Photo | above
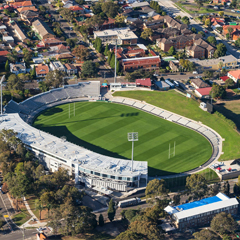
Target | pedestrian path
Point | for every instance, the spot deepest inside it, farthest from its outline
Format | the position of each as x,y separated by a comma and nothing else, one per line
33,218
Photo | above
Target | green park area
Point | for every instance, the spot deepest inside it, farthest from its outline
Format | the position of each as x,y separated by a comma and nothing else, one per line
102,127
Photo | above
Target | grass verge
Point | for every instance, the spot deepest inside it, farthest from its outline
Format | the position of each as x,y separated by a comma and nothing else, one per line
21,218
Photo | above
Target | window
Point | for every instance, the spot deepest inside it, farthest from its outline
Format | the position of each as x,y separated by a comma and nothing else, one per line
119,178
104,175
97,174
113,177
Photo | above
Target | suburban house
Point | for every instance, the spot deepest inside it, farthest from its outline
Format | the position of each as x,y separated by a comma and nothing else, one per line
58,49
203,92
195,51
57,65
64,56
21,4
77,9
223,2
49,42
146,63
234,75
235,33
3,56
29,16
8,39
31,8
108,24
199,83
19,32
70,69
17,68
200,213
227,62
42,29
41,70
124,36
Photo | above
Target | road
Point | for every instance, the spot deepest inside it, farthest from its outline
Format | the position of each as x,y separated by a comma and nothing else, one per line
171,9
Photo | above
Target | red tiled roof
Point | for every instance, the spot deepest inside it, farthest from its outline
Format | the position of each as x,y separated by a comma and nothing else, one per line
224,78
76,8
32,8
109,21
42,69
204,91
21,4
144,82
235,74
51,40
3,53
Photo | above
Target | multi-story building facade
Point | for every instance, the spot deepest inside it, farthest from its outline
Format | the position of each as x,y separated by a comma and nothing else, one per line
200,213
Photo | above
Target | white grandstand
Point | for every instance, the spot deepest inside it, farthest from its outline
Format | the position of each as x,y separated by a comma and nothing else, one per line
90,168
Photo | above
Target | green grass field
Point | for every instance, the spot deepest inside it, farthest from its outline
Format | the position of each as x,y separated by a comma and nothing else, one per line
103,127
175,102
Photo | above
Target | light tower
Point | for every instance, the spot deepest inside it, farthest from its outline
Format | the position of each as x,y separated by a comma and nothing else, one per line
132,137
115,72
1,81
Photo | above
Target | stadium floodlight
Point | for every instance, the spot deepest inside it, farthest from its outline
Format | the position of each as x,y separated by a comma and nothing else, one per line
1,81
115,70
132,137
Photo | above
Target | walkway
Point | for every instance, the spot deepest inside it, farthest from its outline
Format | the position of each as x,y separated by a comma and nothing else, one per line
211,135
33,217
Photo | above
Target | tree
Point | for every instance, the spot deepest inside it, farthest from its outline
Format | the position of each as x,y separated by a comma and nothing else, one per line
39,207
101,220
130,235
7,67
237,42
55,78
229,83
106,50
221,13
226,188
12,57
95,22
202,33
221,50
185,20
194,30
110,9
89,69
220,65
215,189
176,199
171,50
43,86
81,53
199,3
98,45
224,223
212,40
208,22
217,91
71,42
33,72
205,234
27,56
178,17
67,14
196,185
2,222
208,74
120,20
146,33
14,83
156,188
111,210
228,36
230,30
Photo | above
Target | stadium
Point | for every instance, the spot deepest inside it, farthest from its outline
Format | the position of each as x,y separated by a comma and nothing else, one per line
90,167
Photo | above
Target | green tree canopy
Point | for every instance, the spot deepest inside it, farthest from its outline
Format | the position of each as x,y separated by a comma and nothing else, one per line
89,69
223,223
111,210
212,40
155,188
217,91
171,51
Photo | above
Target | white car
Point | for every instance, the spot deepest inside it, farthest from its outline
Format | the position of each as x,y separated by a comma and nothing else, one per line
232,10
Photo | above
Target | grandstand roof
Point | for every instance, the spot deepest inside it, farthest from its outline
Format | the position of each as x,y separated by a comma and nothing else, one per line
70,153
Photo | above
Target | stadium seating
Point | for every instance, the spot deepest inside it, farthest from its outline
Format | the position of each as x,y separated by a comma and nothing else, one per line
59,93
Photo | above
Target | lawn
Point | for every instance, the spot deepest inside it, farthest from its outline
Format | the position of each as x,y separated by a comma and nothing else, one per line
21,218
102,127
179,104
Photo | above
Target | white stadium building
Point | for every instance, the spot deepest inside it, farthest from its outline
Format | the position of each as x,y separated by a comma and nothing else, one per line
89,168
